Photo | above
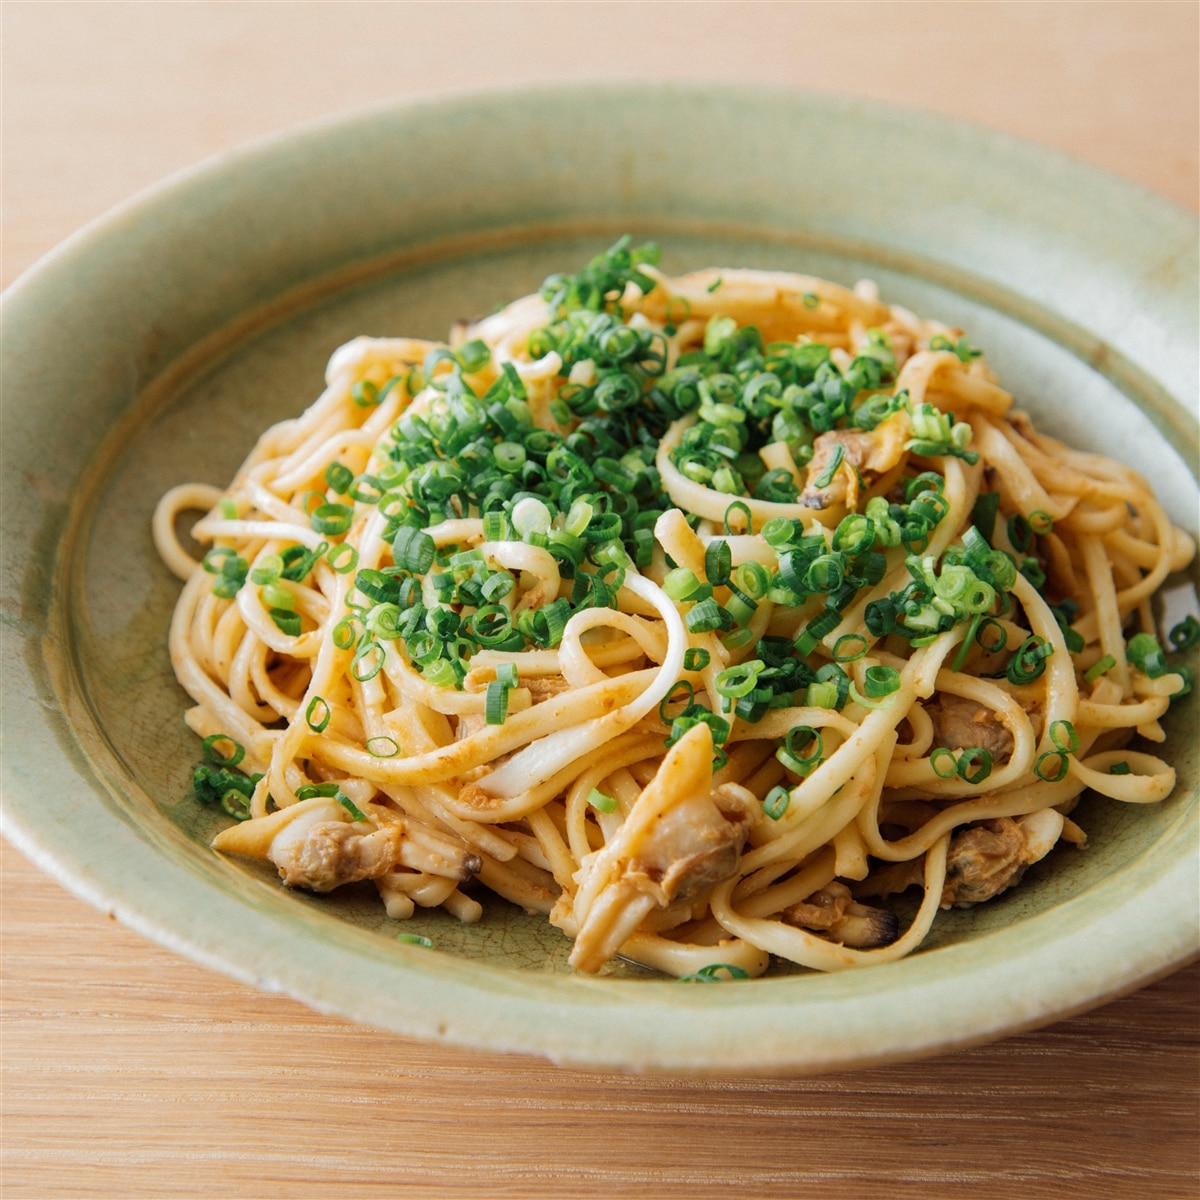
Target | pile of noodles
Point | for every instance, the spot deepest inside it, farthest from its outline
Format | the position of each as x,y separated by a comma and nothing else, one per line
448,634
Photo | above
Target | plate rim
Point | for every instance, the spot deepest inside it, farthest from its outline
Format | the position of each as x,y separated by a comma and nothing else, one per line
87,880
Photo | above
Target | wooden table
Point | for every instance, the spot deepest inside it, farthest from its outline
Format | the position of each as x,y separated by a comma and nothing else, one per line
131,1073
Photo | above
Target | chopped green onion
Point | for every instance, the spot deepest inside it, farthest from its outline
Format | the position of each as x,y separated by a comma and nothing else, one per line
345,633
961,657
849,648
509,456
213,754
440,673
330,791
715,973
855,534
333,519
718,562
286,621
1064,737
598,800
339,477
672,697
350,806
529,515
739,506
274,596
821,695
365,394
211,785
824,622
236,804
1100,667
367,661
495,527
943,772
739,680
706,616
342,558
1019,533
366,489
1186,634
695,658
474,355
967,757
681,585
791,754
1185,673
737,639
752,579
739,606
776,802
1060,771
1029,662
415,939
317,714
1145,654
267,570
382,746
1001,639
881,681
1119,768
983,514
413,549
496,703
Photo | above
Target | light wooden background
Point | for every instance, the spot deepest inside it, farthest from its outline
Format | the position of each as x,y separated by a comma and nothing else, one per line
131,1073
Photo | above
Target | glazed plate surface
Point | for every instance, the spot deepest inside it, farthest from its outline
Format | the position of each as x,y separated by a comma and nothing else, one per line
155,346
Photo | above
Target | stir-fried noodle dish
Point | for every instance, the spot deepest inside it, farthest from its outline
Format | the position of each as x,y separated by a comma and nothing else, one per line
703,615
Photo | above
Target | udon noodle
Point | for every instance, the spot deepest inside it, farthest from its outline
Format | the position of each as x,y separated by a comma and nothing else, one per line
702,615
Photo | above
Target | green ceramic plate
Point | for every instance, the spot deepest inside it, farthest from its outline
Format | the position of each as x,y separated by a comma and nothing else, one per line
154,346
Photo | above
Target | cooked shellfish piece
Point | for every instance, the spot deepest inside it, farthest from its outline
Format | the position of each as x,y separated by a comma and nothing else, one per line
992,856
864,453
317,845
681,837
834,911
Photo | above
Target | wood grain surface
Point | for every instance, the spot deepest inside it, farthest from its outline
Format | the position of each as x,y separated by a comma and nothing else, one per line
129,1072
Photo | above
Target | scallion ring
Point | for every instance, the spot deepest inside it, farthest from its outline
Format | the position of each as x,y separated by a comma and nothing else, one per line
367,661
880,681
317,714
849,648
718,562
1064,736
214,755
970,755
947,770
496,703
333,519
382,746
775,802
713,974
342,558
1060,772
673,697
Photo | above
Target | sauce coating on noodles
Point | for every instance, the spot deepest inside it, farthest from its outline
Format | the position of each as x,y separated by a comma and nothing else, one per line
701,614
